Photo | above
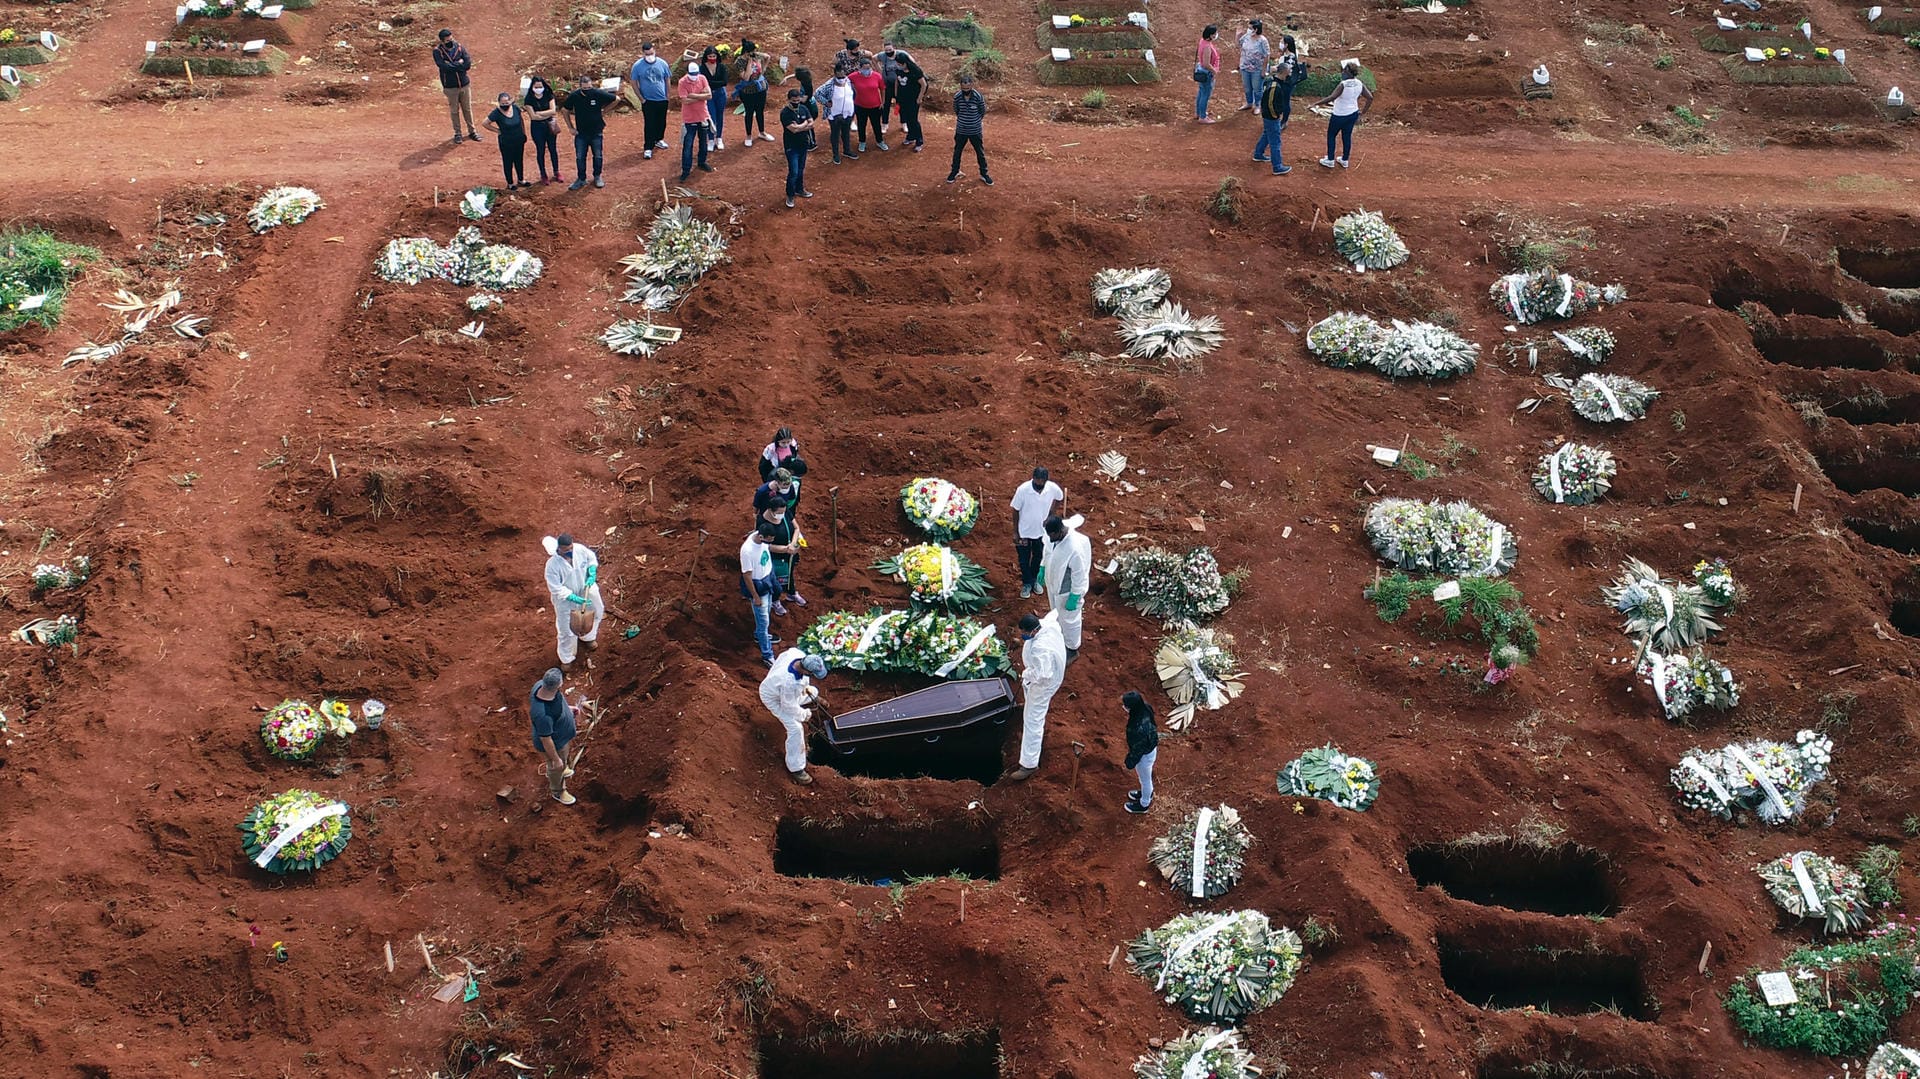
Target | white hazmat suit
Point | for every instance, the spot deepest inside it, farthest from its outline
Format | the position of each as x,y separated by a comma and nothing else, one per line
568,577
788,696
1065,568
1043,662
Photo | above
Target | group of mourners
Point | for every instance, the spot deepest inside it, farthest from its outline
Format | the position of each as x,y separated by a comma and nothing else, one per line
865,94
1267,81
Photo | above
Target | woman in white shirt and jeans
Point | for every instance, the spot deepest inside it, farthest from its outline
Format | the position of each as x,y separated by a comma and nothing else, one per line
1350,100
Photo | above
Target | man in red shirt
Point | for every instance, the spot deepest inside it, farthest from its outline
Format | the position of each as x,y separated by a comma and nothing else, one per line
693,92
869,102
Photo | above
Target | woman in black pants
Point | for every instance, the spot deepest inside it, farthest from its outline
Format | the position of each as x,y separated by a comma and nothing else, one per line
510,121
751,89
543,111
910,82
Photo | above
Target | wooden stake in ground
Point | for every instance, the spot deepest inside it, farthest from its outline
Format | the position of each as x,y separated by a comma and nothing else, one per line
1074,780
692,564
389,957
833,499
1316,221
421,939
188,65
1796,498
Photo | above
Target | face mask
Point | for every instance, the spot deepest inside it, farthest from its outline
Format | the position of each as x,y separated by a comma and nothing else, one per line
778,518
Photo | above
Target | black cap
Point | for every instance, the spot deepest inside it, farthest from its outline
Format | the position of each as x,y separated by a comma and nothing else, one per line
445,34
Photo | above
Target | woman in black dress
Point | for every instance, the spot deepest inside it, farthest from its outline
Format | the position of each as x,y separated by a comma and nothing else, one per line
715,71
543,112
510,121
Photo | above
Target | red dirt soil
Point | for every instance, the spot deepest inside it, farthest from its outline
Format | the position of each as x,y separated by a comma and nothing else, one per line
334,493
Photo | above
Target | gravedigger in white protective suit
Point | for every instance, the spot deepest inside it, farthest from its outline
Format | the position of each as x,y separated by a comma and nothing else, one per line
1065,569
1043,662
573,581
788,693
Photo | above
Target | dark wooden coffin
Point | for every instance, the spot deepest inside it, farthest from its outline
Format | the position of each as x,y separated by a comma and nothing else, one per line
923,717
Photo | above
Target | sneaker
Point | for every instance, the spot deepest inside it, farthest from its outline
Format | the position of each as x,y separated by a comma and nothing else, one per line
1133,795
1326,162
576,185
1283,170
882,145
775,640
705,168
648,154
798,599
789,202
684,175
863,146
918,148
1259,157
1343,162
806,195
1208,120
749,141
473,136
565,799
598,182
767,662
953,178
661,145
457,140
985,179
1072,654
1025,592
718,145
1019,774
780,609
1135,808
801,778
836,160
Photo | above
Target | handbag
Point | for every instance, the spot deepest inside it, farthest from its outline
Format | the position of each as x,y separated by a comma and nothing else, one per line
1201,74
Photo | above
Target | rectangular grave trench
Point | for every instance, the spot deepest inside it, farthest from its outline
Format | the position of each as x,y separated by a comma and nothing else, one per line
890,1054
1546,1069
1564,879
873,851
976,758
1557,981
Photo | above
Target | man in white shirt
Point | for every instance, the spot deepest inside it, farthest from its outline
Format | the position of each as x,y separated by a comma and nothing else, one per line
1064,569
788,693
1043,662
573,583
758,585
1032,505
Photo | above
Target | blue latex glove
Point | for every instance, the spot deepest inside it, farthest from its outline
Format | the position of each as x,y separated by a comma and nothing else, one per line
1073,602
593,572
581,600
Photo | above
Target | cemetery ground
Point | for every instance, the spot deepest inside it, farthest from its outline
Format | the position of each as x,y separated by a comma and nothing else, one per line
334,492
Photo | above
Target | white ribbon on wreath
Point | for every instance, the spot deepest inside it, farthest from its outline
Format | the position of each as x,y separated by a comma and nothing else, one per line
949,572
1566,296
1908,1053
295,829
1572,344
1553,470
1712,781
1498,539
1202,825
951,501
873,630
1196,1065
973,646
1198,937
1659,665
1760,776
1799,866
1513,297
1606,393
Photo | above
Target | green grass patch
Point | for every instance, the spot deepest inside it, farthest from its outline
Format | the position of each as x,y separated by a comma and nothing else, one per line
1714,39
1871,983
218,62
1493,606
1226,201
1879,867
934,31
272,31
1898,21
32,262
1093,38
24,54
10,92
1323,78
1787,72
1094,99
986,65
1097,71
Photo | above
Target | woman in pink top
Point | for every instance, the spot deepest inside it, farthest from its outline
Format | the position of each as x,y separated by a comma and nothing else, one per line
1205,66
694,94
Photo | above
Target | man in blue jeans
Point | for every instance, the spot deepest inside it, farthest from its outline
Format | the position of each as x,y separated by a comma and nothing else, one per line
758,585
1276,106
649,77
796,124
588,124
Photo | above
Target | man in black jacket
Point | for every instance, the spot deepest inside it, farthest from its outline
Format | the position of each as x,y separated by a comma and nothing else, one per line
1276,106
969,113
451,58
910,81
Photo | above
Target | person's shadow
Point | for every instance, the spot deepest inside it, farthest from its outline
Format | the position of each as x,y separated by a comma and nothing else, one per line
440,151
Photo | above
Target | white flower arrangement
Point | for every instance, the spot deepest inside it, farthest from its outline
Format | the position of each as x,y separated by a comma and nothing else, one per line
1200,1054
409,260
1177,589
1402,350
1347,781
283,206
1589,343
1669,616
1838,893
467,259
478,202
1130,292
1365,239
1225,852
1605,398
680,249
1433,537
1891,1060
1684,683
1170,332
1346,339
48,576
484,302
1548,294
1574,474
1218,967
1716,582
1768,778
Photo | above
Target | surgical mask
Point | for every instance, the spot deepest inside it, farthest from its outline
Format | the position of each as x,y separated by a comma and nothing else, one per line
778,518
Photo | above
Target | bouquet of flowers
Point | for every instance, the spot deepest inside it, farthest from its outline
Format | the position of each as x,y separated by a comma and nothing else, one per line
455,261
855,642
1605,398
1891,1060
1574,474
1348,782
1169,331
1177,589
1205,1054
409,260
1224,851
1129,292
47,577
938,577
1218,967
1433,537
1669,615
1683,683
484,302
1806,885
295,830
947,647
478,202
1344,339
1769,778
631,337
292,730
1716,583
1366,240
283,206
1424,350
50,632
1543,294
1590,343
501,266
942,510
1197,669
680,248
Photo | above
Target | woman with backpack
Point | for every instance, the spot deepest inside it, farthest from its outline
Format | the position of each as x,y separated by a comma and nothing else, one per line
1143,748
1206,65
753,91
